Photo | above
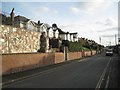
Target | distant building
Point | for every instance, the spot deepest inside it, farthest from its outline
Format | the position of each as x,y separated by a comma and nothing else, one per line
2,18
67,36
73,37
54,35
23,22
119,41
5,19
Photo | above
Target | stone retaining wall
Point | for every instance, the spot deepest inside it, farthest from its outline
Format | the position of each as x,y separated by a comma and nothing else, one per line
18,40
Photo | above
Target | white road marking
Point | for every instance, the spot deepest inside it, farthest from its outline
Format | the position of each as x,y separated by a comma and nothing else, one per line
102,76
108,78
106,86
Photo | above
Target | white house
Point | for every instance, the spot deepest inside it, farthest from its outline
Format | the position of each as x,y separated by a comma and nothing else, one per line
23,22
67,36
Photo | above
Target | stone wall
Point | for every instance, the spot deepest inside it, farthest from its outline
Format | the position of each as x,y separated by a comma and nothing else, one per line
17,40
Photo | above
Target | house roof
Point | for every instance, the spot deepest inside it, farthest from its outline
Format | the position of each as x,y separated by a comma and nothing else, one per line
2,15
21,18
24,19
34,23
61,32
73,33
47,25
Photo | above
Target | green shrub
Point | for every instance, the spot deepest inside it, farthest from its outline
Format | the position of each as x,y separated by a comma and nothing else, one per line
74,46
65,43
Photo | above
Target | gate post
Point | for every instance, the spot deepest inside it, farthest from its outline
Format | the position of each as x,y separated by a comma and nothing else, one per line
65,53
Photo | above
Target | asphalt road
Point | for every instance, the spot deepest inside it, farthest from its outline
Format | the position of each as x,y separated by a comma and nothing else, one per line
92,72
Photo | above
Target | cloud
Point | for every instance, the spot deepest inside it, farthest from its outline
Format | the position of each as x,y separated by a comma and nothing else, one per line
107,22
107,25
43,9
74,10
108,29
108,36
55,0
110,22
46,10
55,11
90,6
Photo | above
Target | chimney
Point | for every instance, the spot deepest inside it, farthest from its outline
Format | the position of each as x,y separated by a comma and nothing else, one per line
39,26
39,22
12,17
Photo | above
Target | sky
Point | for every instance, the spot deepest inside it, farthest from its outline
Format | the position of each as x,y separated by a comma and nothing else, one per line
92,19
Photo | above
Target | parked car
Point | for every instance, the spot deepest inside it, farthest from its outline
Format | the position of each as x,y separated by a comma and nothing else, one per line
109,52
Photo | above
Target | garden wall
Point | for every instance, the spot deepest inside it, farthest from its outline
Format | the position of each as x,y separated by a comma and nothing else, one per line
12,63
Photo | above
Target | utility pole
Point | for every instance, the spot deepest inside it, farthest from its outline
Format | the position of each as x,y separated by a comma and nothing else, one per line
110,43
100,40
100,43
115,40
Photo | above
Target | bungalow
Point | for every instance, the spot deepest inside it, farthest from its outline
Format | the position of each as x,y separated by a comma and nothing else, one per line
73,37
64,35
67,36
23,22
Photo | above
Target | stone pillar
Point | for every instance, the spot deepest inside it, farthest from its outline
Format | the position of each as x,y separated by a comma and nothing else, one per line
47,40
43,43
65,53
